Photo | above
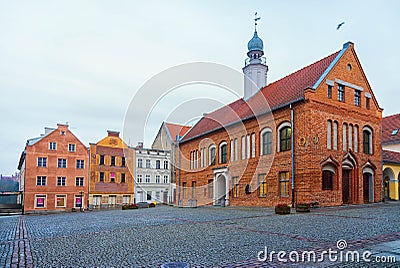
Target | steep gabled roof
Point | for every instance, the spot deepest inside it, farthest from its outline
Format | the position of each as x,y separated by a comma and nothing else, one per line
278,94
390,157
174,130
391,129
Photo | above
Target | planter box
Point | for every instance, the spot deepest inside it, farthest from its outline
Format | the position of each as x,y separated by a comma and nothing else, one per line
303,209
282,210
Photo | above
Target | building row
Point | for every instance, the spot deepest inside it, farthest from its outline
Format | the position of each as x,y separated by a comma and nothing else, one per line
314,136
58,172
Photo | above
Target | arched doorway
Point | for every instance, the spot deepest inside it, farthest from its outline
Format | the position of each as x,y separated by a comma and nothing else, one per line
368,185
349,166
388,175
220,190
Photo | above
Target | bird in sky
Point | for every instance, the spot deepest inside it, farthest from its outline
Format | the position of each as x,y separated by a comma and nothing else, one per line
339,25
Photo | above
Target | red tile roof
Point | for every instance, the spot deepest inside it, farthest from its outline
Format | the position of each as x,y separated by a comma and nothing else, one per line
277,95
390,157
175,130
389,125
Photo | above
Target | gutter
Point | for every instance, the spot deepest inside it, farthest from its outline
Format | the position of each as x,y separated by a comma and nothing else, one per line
292,145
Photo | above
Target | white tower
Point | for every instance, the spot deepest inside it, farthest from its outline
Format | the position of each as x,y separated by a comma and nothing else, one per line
255,68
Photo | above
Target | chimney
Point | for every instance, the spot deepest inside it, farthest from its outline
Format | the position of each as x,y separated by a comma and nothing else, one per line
140,145
113,133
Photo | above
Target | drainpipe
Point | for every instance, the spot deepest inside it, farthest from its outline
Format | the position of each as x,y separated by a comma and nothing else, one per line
179,171
292,149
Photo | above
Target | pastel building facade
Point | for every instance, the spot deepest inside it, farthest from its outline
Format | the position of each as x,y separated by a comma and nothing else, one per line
152,175
391,156
111,181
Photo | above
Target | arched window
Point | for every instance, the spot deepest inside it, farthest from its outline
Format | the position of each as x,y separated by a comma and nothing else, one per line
344,140
266,141
329,135
253,145
285,136
211,153
367,140
223,153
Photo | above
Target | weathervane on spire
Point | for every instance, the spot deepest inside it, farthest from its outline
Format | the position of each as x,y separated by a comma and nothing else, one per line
255,21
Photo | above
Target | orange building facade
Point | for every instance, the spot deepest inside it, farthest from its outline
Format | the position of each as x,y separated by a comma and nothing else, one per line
312,136
111,180
54,172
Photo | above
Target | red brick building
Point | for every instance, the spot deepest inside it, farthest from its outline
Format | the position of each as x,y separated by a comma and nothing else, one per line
312,136
54,172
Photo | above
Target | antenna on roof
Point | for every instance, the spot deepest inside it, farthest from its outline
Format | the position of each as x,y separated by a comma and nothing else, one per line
255,21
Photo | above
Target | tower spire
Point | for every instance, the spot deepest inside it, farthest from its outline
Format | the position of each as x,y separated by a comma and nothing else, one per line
255,69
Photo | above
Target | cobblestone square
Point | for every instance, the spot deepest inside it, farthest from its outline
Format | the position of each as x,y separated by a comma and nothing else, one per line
201,237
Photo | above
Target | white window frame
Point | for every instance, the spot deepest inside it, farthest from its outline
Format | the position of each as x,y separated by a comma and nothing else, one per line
40,196
72,147
329,135
52,146
264,131
253,145
212,146
243,147
62,180
220,152
79,179
368,129
282,125
60,196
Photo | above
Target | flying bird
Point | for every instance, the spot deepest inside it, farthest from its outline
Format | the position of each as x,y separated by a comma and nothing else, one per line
339,25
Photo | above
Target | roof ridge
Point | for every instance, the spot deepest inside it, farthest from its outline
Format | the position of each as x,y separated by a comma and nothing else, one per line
299,70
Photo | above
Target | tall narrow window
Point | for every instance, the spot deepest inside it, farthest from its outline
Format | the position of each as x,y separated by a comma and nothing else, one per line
123,161
101,177
341,93
122,177
357,98
112,160
253,145
367,140
356,138
243,147
101,160
285,135
210,187
367,101
112,176
329,135
147,178
284,184
232,150
184,190
158,178
329,92
158,164
165,164
148,165
236,149
262,185
193,189
335,135
140,163
344,139
350,137
223,153
248,146
235,187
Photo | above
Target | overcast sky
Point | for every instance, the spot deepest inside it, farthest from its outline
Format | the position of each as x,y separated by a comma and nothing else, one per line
81,62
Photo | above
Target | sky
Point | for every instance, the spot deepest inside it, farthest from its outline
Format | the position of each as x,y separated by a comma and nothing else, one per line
82,62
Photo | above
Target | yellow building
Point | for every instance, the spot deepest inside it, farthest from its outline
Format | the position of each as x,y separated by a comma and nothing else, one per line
111,181
391,156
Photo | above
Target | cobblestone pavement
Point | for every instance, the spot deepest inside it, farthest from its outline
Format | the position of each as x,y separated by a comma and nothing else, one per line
202,237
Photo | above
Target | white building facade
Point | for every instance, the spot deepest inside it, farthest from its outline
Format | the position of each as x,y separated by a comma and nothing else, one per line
152,175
